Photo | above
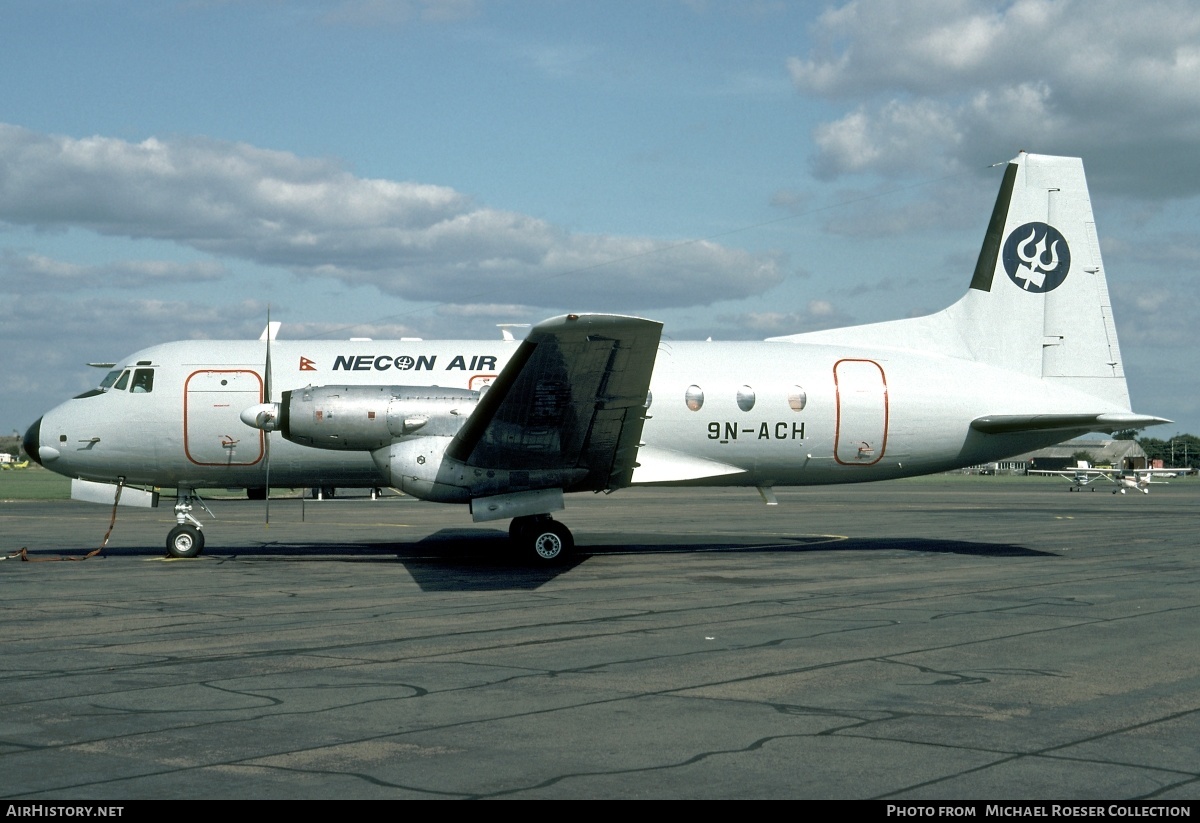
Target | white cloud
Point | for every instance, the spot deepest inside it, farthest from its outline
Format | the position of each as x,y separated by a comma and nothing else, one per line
311,216
515,312
1156,317
971,82
886,140
27,273
123,325
793,200
818,314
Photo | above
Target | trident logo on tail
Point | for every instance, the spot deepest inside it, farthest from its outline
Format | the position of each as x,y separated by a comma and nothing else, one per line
1036,257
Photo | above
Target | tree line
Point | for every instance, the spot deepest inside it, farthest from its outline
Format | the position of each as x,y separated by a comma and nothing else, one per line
1179,451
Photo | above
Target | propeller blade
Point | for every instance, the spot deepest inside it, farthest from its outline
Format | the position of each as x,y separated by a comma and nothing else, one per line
268,334
274,417
267,497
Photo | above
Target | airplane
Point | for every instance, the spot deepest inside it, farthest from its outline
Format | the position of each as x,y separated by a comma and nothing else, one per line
1084,473
1028,357
14,464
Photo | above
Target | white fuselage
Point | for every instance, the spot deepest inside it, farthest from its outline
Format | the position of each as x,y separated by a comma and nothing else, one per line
766,413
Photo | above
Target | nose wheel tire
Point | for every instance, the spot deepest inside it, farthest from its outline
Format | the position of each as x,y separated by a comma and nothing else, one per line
185,541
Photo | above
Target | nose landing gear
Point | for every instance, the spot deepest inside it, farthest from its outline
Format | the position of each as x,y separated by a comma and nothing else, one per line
186,539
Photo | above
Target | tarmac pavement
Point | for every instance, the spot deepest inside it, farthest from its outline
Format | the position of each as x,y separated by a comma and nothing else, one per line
953,638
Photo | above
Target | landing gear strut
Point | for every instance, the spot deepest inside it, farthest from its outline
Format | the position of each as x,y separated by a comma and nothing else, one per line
549,540
186,539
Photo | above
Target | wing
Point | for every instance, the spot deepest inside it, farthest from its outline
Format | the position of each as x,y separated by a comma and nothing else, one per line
1081,476
573,397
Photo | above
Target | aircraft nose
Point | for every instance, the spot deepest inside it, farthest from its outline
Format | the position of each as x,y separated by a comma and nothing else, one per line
32,442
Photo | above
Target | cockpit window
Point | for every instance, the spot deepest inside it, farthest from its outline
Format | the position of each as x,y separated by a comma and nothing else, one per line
143,381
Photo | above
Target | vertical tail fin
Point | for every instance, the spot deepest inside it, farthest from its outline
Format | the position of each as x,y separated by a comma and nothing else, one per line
1038,302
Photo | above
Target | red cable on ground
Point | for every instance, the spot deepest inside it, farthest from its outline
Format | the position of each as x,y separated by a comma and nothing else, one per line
24,554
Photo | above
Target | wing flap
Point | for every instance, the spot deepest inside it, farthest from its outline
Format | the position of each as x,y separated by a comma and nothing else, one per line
572,397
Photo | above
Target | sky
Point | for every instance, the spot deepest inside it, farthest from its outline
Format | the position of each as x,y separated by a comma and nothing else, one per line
432,168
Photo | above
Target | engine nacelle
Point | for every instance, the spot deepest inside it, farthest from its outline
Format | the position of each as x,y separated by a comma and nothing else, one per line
408,429
418,466
366,418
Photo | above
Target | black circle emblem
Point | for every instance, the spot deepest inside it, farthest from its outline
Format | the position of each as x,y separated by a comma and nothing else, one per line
404,362
1036,257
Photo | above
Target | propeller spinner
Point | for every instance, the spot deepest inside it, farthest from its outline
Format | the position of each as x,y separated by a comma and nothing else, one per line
264,416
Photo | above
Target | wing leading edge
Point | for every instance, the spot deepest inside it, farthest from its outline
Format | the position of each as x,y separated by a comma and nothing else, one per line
573,398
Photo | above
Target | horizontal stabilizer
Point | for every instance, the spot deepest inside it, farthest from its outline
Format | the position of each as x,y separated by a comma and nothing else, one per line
1113,422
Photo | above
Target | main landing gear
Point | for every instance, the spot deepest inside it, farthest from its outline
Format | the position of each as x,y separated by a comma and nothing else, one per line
186,539
541,538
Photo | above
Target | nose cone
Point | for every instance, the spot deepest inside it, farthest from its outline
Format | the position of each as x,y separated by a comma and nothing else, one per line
32,442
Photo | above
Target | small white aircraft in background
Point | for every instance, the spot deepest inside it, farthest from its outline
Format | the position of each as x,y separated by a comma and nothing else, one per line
1084,473
1027,358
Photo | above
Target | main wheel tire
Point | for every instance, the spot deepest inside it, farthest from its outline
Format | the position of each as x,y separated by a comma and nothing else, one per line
551,541
520,526
185,541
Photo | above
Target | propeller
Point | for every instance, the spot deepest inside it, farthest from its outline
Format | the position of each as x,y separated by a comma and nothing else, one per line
265,416
267,434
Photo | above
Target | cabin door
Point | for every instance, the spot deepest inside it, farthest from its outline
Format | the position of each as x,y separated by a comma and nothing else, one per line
213,434
862,412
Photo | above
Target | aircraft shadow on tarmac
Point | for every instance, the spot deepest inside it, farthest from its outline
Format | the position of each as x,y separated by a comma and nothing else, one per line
482,560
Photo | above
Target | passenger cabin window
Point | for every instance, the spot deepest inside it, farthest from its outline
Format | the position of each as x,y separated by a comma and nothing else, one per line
745,398
694,398
797,398
122,382
143,381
